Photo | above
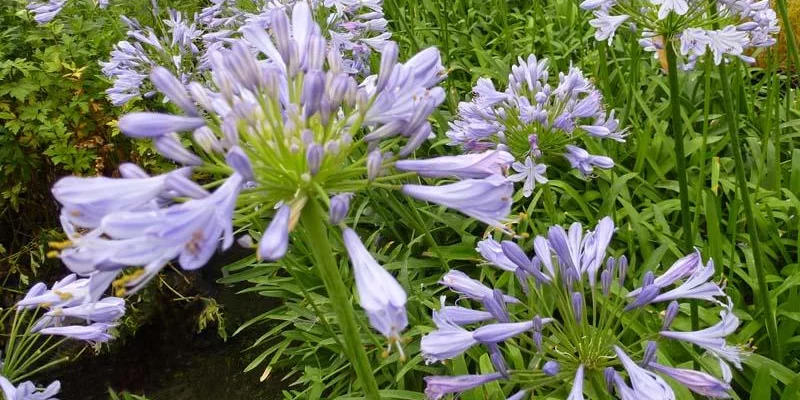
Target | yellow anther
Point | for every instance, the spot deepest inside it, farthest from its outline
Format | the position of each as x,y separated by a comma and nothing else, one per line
53,254
60,245
63,295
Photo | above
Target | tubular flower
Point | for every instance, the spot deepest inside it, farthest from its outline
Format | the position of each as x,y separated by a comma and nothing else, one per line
28,391
746,25
177,46
587,334
281,123
72,311
355,28
379,294
536,123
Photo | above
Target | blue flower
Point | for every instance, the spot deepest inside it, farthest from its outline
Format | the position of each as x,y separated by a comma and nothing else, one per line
487,200
379,294
534,121
437,387
28,391
581,337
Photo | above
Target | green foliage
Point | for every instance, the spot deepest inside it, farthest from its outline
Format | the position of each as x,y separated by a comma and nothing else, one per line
55,120
54,116
112,395
414,242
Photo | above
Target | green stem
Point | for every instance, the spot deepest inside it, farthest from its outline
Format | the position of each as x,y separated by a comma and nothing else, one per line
680,158
49,365
744,193
786,27
312,219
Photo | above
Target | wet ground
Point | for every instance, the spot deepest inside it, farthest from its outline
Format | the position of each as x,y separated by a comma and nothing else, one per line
166,359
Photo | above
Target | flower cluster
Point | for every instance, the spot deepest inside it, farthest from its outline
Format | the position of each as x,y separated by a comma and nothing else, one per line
580,321
745,25
354,27
536,122
72,311
44,12
28,391
179,49
277,131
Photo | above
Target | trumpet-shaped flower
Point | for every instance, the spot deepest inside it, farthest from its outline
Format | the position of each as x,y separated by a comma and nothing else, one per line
533,121
712,339
580,337
576,393
696,381
28,391
94,333
646,385
746,25
379,294
437,387
483,165
487,200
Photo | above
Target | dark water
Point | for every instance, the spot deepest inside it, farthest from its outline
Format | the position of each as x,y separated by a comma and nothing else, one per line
166,359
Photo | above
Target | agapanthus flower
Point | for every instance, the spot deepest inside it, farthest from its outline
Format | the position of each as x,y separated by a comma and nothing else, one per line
379,293
357,28
734,30
535,122
598,327
177,46
72,311
44,12
282,124
28,391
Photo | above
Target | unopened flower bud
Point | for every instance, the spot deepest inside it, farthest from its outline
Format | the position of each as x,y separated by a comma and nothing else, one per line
648,279
170,147
314,155
537,340
577,306
340,205
649,353
551,368
622,269
275,240
605,281
374,160
670,314
496,306
609,373
497,359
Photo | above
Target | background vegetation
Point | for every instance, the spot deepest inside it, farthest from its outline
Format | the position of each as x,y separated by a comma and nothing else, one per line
56,121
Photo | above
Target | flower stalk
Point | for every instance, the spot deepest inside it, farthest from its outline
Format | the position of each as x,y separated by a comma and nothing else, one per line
755,242
312,219
788,32
676,125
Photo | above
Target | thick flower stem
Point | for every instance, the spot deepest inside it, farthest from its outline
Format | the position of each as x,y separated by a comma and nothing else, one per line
313,220
787,29
676,123
744,196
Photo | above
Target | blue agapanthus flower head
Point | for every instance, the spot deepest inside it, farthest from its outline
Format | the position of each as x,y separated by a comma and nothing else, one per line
735,28
580,320
183,43
535,122
281,123
71,309
177,46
